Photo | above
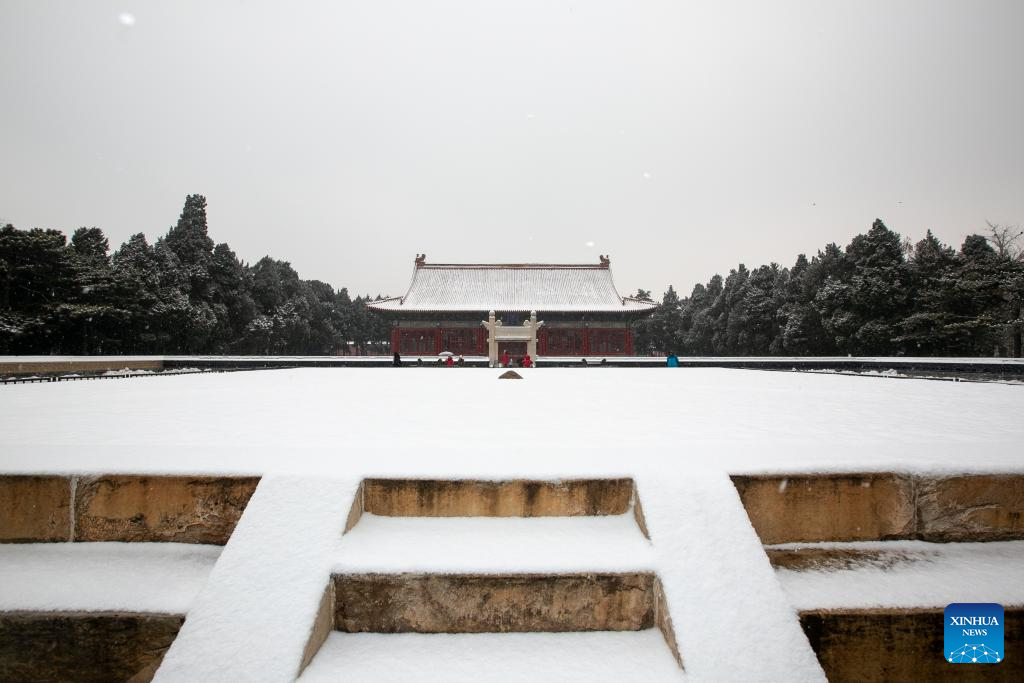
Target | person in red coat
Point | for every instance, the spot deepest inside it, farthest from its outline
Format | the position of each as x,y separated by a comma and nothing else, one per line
527,361
450,362
505,360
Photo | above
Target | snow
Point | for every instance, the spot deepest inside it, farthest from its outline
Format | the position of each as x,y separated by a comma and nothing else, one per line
543,288
599,657
555,422
717,592
133,577
909,574
719,586
256,612
315,433
612,543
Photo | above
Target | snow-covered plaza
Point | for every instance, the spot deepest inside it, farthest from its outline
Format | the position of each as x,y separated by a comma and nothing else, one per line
555,422
314,436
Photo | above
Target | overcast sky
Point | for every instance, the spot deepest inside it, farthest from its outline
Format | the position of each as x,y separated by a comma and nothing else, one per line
680,137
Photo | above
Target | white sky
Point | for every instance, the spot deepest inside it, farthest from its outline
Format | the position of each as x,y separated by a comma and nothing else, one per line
680,137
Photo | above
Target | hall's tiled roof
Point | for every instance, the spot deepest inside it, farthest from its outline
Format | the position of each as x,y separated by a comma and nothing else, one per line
512,287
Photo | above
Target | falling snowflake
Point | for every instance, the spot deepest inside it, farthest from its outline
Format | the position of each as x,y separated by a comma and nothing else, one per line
126,19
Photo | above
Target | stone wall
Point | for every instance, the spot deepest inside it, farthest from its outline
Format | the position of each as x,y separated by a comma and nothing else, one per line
883,506
198,509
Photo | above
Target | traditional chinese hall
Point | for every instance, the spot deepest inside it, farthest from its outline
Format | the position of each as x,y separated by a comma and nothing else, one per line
571,310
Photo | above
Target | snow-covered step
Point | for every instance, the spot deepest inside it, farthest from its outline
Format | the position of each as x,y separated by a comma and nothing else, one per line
596,657
389,545
515,556
898,574
854,598
106,577
94,611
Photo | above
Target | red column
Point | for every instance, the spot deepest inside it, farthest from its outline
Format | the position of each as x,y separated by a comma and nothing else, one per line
481,342
396,340
542,342
629,342
437,341
586,341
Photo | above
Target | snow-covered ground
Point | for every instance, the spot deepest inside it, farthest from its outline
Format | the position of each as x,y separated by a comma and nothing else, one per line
465,422
314,434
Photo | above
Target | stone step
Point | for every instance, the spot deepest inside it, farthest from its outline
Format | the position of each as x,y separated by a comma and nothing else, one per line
874,610
399,526
94,611
511,498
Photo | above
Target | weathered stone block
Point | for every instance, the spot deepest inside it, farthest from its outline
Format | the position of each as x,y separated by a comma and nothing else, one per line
156,508
475,603
893,645
517,498
850,507
34,508
83,647
971,508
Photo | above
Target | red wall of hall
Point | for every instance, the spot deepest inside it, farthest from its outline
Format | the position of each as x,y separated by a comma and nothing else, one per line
582,341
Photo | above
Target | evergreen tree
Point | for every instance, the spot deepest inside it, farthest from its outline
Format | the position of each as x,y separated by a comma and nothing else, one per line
881,295
658,332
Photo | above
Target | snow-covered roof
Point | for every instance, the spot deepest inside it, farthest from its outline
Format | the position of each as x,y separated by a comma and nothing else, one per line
583,288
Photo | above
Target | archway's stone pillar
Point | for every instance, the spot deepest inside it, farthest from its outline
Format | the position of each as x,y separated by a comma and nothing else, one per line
531,342
492,338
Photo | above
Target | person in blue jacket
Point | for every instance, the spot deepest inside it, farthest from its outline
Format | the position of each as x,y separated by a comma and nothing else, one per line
672,361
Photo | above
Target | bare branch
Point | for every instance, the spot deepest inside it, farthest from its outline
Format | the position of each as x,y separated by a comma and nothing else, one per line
1006,240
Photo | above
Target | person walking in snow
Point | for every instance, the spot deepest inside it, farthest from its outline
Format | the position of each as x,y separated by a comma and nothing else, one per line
505,360
461,362
450,362
527,361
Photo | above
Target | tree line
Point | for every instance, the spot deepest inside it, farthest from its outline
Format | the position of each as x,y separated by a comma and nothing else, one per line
880,296
181,295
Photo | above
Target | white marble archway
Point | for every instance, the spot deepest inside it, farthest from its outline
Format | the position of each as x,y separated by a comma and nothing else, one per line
496,332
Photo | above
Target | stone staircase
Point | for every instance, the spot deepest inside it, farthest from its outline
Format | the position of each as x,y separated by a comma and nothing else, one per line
701,577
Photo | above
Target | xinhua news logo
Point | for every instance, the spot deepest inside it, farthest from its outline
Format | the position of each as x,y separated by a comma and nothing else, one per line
973,633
